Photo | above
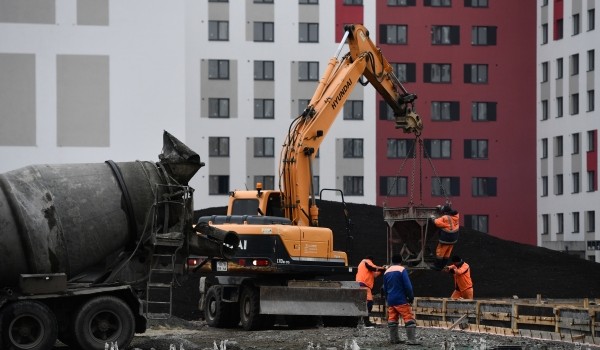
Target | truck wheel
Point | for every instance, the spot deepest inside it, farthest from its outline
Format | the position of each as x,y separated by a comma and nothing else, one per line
104,320
28,325
250,309
217,312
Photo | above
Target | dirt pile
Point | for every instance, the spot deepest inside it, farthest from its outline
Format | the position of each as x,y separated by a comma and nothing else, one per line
500,269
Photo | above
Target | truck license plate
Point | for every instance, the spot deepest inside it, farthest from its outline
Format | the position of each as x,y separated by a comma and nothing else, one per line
221,266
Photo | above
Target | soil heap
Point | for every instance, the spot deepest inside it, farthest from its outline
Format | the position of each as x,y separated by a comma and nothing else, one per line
499,268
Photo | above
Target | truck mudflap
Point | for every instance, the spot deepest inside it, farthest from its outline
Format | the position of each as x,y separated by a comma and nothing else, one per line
315,298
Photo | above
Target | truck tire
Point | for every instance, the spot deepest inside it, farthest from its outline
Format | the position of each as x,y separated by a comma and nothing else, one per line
250,309
28,325
104,320
218,313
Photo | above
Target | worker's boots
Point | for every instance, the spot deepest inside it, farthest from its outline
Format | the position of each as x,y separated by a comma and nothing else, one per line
394,336
411,334
367,321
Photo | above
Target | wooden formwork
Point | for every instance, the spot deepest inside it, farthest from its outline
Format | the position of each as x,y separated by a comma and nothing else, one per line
565,320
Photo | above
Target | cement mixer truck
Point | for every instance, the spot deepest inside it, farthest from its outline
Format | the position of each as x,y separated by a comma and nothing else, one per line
89,252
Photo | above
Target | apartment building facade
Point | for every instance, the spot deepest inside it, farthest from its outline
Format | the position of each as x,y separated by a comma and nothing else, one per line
228,77
567,124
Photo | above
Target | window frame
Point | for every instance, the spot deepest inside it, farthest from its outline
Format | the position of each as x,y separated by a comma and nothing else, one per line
311,66
264,70
263,32
264,108
476,73
353,185
400,32
393,186
264,147
308,30
353,148
218,146
484,186
221,114
217,25
353,110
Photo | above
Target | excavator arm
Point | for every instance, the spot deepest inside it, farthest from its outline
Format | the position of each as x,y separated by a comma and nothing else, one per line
308,130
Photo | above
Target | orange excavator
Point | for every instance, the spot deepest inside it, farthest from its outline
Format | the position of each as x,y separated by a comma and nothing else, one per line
284,257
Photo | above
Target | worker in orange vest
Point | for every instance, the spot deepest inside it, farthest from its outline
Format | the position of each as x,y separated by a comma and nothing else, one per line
463,285
365,276
447,225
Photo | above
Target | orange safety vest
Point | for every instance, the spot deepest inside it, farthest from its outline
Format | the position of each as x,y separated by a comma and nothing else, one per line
366,276
448,225
462,277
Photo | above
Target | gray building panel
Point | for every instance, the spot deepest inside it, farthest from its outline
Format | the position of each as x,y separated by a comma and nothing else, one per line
218,11
92,12
308,13
83,100
257,166
219,166
17,100
28,11
219,88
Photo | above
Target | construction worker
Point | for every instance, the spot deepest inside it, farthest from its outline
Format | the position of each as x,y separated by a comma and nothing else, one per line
399,296
463,285
447,225
365,276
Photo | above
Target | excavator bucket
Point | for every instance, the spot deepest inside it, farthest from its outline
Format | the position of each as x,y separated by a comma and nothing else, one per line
318,298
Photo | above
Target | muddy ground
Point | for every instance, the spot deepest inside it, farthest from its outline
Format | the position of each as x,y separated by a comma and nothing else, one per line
178,334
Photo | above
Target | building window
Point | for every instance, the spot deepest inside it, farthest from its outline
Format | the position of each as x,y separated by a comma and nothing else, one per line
483,36
559,107
353,2
309,33
263,1
353,110
218,69
438,3
558,186
393,186
218,146
400,148
483,111
576,183
575,142
590,104
445,110
267,181
476,73
394,34
476,3
575,218
591,138
574,64
476,149
483,187
218,0
405,72
545,33
445,186
218,30
559,68
445,35
544,3
264,108
218,108
438,149
590,225
591,57
308,2
544,148
544,186
591,180
574,104
544,72
477,222
576,24
545,110
437,72
264,31
308,71
545,224
591,19
264,70
558,146
558,29
218,184
353,185
401,2
264,147
353,148
385,111
560,223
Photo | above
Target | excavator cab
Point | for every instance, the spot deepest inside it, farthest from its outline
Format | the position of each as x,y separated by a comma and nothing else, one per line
261,203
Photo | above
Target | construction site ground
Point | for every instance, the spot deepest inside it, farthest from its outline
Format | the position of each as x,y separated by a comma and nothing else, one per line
500,270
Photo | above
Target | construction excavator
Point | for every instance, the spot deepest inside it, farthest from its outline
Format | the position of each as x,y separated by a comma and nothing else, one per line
284,258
